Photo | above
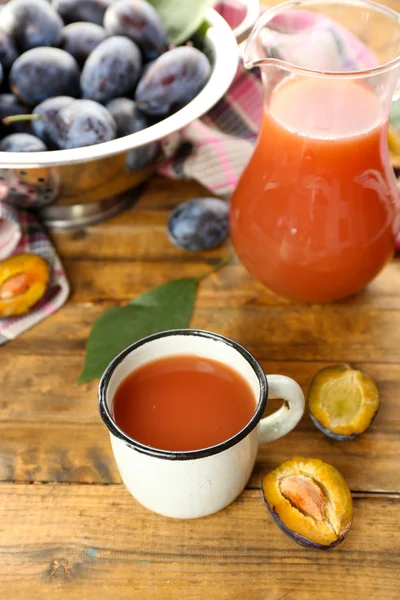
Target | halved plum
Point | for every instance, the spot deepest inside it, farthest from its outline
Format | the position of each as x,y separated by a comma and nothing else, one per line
23,282
343,401
310,501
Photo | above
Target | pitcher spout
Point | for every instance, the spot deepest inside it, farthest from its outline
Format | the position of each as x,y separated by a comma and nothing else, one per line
324,37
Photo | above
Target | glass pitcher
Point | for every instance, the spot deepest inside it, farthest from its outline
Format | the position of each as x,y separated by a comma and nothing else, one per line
315,215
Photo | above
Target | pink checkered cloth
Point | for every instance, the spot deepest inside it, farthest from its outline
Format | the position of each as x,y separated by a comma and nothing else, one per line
21,232
213,150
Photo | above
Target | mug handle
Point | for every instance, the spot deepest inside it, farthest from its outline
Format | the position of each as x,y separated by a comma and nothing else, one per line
287,416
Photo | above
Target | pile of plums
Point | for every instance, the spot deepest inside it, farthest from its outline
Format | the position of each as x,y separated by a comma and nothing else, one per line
89,71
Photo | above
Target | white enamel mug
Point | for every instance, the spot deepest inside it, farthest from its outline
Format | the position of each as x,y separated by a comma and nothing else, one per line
196,483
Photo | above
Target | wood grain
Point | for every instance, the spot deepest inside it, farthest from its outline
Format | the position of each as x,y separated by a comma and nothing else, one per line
76,533
37,429
323,333
96,542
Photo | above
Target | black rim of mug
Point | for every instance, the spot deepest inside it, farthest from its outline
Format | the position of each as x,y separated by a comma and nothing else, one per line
190,454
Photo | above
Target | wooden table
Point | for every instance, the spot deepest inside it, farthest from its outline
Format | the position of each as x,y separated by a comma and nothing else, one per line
68,527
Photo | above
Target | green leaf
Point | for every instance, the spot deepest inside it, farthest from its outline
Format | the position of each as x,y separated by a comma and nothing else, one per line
181,18
169,306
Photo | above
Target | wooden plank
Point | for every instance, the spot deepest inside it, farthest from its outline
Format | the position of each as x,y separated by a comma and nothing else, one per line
82,454
97,542
51,431
150,264
321,333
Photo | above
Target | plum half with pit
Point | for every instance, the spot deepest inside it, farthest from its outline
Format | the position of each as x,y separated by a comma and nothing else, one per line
24,279
343,401
41,73
310,502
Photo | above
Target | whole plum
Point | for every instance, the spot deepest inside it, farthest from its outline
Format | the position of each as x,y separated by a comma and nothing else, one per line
130,120
199,224
83,123
43,128
80,39
21,142
82,10
8,50
41,73
139,21
139,158
172,81
111,70
31,23
126,116
10,106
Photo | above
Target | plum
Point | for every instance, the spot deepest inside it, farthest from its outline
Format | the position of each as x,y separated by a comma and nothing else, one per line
140,22
310,502
82,10
41,73
24,280
8,50
343,401
127,116
80,39
43,128
31,23
199,224
22,142
83,123
111,70
172,81
10,106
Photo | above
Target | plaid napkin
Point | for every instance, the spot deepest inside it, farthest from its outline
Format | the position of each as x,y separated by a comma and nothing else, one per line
21,232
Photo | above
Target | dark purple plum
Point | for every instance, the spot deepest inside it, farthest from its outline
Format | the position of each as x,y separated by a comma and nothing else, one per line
130,120
199,224
48,109
126,116
139,158
31,23
83,123
22,142
80,39
139,21
10,106
41,73
111,70
172,81
82,10
8,50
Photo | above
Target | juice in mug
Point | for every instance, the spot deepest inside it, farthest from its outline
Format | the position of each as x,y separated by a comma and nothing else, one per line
314,216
